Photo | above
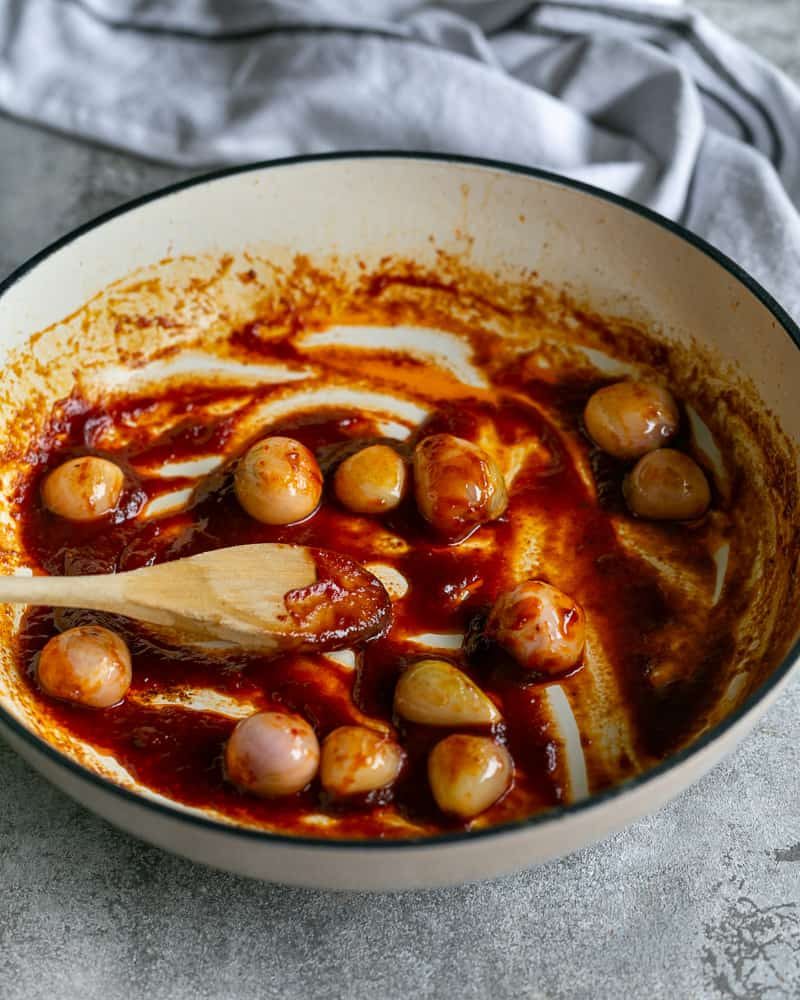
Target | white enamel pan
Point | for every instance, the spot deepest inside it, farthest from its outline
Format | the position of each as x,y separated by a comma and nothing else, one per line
621,258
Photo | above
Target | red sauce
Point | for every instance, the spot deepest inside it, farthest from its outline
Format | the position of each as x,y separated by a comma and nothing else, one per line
178,751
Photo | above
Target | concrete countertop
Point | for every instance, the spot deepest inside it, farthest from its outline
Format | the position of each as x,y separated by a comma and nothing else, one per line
702,900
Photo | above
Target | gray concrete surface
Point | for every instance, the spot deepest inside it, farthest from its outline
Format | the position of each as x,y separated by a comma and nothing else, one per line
700,901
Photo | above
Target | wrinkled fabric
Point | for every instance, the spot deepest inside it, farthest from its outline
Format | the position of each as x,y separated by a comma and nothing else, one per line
650,101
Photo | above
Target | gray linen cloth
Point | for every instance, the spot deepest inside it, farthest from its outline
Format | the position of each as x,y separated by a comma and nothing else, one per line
647,100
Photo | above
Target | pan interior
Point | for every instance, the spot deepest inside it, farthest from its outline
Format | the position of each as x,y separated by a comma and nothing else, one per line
264,340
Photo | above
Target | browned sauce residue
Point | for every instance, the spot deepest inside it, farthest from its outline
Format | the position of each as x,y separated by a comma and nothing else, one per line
664,653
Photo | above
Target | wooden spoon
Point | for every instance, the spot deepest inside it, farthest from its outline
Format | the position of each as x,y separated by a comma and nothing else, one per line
268,597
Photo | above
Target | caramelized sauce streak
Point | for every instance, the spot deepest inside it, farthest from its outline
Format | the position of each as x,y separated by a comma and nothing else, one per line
177,751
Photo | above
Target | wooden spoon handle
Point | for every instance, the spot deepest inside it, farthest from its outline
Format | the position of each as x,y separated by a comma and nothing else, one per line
131,594
100,593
